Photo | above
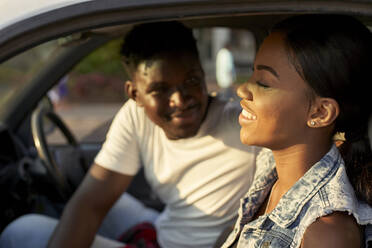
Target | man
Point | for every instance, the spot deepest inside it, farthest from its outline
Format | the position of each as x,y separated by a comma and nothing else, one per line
187,142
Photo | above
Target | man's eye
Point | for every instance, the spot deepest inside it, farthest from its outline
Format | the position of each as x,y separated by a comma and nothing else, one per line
159,90
262,84
193,81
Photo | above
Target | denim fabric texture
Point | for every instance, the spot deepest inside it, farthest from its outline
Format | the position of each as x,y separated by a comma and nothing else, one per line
323,189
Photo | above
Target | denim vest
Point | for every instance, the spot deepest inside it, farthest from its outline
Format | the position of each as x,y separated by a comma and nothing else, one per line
323,189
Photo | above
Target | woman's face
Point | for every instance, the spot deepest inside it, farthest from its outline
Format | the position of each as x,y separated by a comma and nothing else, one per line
275,99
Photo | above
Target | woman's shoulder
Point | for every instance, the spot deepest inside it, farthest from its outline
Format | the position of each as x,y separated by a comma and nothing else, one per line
337,229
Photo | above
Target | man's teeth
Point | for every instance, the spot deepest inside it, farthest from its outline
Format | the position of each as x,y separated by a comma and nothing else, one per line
248,115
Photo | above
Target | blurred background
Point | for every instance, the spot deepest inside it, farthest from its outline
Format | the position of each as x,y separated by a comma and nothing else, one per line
90,95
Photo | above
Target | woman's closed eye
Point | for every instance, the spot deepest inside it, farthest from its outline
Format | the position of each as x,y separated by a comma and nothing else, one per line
261,84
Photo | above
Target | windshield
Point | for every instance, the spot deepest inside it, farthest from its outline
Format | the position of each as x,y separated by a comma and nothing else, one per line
18,71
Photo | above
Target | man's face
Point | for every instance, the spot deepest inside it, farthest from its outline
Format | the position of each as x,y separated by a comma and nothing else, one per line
172,91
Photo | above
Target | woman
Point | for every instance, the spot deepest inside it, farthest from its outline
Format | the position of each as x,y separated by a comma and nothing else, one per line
311,80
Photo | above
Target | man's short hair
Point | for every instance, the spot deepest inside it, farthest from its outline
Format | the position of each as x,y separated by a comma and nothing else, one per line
146,41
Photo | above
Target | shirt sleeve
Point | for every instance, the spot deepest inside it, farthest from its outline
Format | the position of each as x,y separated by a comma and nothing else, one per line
120,151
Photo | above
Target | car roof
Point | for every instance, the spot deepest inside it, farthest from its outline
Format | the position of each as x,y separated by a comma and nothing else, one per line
10,11
45,20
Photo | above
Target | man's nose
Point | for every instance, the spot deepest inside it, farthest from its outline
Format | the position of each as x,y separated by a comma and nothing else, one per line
244,91
178,98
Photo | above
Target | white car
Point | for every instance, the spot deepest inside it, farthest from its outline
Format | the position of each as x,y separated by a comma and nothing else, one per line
46,45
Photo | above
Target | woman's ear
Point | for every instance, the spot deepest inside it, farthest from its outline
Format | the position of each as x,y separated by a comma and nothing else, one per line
132,92
323,112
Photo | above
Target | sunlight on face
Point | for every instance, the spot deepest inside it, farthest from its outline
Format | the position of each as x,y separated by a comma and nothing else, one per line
173,93
275,99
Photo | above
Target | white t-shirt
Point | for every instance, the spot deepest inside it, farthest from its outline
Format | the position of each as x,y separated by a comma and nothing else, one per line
200,179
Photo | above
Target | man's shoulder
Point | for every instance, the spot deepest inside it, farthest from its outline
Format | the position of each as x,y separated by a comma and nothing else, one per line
132,118
132,110
130,104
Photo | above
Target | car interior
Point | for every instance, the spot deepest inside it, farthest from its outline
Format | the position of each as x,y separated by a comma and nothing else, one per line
42,172
39,173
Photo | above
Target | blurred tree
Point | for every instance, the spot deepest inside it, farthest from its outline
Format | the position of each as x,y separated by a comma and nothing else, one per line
105,60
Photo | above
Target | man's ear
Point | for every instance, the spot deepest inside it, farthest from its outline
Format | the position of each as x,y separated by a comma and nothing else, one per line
323,112
132,92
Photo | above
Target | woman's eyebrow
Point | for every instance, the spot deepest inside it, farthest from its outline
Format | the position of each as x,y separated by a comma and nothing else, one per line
268,68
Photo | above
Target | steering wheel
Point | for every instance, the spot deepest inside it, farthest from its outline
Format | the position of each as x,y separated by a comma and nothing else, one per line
59,178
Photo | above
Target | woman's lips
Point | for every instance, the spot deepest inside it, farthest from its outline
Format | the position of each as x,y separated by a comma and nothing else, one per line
246,117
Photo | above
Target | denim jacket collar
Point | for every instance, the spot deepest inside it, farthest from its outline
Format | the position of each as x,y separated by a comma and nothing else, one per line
317,176
265,177
323,189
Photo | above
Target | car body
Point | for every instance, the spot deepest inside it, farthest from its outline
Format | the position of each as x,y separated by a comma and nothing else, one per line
84,26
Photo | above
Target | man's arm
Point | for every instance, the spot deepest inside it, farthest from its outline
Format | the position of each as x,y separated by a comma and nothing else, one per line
88,206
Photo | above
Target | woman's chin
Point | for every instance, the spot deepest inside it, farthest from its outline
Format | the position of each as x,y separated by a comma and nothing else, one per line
246,139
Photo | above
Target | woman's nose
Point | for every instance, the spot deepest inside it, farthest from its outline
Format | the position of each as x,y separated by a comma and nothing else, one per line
244,92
